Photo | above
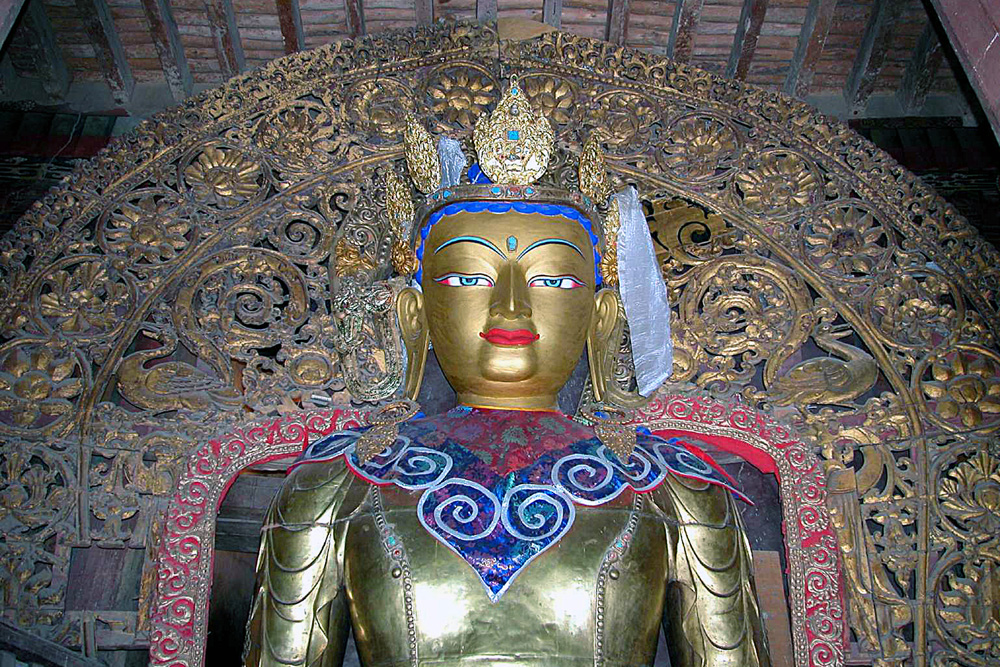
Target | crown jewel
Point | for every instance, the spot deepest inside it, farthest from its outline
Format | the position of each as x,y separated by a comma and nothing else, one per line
515,141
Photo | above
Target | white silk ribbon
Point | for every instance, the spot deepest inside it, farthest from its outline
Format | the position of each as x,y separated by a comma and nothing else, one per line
644,296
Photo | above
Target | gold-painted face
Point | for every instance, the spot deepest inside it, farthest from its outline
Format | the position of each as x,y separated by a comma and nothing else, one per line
509,304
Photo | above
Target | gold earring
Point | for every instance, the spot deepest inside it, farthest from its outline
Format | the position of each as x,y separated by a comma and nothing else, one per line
384,429
613,428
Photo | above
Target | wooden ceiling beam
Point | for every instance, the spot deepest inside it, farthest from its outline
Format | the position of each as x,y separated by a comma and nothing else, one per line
745,41
687,15
921,70
355,18
812,39
9,11
100,27
290,21
424,10
46,54
167,40
486,10
973,30
871,56
228,46
552,12
616,29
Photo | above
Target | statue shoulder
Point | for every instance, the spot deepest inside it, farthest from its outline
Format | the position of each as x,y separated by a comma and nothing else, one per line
317,490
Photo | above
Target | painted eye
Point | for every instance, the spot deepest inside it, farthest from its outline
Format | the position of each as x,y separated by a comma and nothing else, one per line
464,280
560,282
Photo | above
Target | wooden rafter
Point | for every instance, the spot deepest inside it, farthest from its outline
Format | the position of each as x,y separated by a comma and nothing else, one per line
920,72
290,20
616,30
552,12
100,27
47,55
486,10
871,56
27,647
167,40
424,10
745,41
228,47
812,39
686,18
355,17
9,11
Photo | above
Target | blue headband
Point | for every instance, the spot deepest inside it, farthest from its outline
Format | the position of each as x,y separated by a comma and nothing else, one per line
567,212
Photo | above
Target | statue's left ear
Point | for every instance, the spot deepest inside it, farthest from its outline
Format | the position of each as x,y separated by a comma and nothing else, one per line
416,335
601,339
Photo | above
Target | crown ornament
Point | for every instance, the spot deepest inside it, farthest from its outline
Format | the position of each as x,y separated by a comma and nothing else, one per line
514,142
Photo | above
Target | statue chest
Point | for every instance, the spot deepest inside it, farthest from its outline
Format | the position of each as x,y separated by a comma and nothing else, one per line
598,590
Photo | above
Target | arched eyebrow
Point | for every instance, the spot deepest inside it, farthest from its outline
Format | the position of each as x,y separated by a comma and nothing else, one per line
537,244
469,239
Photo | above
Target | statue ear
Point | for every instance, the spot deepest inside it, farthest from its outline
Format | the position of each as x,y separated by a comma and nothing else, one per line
413,325
602,342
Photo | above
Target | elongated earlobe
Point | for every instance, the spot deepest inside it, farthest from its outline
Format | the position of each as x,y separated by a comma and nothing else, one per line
413,326
601,339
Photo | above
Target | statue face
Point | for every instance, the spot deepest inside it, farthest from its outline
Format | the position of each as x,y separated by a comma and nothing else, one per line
509,303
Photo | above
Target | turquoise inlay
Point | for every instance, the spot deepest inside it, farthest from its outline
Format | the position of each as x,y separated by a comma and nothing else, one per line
550,242
513,91
511,243
513,135
470,239
495,191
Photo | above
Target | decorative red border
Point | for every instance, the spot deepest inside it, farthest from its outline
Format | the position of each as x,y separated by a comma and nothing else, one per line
179,617
179,613
819,625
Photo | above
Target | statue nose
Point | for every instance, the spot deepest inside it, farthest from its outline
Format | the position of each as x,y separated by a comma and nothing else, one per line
510,294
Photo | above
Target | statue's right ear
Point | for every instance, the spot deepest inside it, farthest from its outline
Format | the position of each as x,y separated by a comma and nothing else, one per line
413,326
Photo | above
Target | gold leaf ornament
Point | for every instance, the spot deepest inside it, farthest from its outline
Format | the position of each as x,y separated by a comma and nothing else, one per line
514,142
609,257
399,206
421,156
593,174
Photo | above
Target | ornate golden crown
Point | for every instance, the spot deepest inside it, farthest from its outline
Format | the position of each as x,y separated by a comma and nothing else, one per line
513,145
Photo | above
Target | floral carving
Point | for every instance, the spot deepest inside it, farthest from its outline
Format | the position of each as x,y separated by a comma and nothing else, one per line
913,308
552,96
461,95
298,138
223,177
845,241
965,387
699,147
83,299
968,609
970,495
36,387
381,106
778,182
623,121
148,230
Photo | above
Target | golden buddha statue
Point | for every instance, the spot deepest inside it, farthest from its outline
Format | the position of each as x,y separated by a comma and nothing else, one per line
504,532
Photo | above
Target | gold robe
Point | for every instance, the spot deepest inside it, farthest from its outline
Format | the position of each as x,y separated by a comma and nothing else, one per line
339,551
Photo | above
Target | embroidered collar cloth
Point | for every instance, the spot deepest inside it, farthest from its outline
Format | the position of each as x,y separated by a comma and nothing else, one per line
500,486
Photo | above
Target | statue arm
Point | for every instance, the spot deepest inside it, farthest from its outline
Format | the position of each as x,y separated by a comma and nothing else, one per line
300,614
711,617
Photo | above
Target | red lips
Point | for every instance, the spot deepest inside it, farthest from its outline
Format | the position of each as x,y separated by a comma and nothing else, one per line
508,337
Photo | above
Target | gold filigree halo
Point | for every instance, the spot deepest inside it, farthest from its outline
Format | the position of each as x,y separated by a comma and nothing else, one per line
513,145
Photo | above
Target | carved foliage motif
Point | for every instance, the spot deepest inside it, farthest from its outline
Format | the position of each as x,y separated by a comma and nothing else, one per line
231,258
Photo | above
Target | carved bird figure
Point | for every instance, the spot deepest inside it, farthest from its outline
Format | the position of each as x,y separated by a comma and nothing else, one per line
828,380
170,385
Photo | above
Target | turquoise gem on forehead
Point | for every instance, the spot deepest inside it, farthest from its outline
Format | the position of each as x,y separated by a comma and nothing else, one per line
511,244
